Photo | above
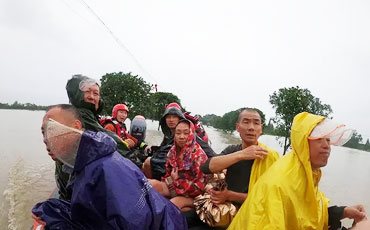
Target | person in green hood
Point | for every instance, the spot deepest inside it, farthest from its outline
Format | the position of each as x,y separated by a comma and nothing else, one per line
84,93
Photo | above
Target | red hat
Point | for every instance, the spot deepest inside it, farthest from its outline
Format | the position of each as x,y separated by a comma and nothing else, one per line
173,105
119,107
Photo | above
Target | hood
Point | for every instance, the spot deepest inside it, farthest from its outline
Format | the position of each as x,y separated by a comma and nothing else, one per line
302,126
76,95
173,111
290,186
93,146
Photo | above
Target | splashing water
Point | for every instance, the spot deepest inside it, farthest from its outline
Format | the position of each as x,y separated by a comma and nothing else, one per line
27,185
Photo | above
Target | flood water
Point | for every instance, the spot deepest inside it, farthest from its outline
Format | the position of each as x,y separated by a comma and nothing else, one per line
27,172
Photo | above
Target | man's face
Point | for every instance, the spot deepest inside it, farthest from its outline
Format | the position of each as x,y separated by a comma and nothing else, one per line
182,132
62,117
121,115
92,95
172,120
249,127
319,152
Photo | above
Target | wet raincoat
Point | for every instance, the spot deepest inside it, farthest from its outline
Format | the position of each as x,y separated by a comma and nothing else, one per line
109,192
89,116
287,195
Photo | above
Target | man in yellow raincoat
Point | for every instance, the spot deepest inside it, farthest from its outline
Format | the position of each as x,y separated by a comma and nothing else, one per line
287,195
244,162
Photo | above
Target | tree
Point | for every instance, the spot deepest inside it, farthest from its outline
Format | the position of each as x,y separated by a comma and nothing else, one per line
158,102
288,102
209,119
367,145
355,141
228,121
125,88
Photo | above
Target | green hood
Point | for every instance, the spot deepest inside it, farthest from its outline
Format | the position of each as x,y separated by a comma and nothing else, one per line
76,96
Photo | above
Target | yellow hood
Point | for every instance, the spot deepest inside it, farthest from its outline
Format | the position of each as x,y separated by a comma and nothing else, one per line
287,195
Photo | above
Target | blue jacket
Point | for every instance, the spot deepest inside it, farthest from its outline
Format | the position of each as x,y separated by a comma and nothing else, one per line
109,192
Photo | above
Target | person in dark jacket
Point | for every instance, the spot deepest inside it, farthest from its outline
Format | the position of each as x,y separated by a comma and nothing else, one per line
84,93
154,167
108,191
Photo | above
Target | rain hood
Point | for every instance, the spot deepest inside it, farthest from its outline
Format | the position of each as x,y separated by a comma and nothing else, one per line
287,195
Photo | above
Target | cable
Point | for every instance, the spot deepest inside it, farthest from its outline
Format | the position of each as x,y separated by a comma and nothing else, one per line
119,42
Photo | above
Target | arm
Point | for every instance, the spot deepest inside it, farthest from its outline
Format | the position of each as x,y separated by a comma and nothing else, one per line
357,213
219,163
220,197
110,127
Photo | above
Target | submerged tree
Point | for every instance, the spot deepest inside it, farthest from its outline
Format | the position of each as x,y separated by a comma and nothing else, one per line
288,102
125,88
158,102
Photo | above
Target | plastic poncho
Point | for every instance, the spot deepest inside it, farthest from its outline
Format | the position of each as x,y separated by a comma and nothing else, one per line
287,195
260,166
109,192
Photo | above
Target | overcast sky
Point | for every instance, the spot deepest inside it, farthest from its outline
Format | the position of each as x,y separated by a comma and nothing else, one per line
216,56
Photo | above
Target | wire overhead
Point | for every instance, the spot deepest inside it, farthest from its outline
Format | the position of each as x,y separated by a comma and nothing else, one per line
118,41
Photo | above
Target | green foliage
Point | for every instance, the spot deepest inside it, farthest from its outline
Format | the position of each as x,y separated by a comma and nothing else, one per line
356,142
209,119
288,102
125,88
228,121
367,145
158,102
26,106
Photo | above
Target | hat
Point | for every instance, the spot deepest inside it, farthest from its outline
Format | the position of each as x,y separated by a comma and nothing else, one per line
173,109
338,134
119,107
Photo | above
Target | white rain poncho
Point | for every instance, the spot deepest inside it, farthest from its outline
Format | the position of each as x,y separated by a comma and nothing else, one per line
63,141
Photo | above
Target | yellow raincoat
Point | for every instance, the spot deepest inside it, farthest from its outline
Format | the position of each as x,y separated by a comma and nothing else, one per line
260,166
287,195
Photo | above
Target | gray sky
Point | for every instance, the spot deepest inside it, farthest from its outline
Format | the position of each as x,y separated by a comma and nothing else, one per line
217,56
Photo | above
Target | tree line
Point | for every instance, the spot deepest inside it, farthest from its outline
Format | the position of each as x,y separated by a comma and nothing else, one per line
138,95
287,103
23,106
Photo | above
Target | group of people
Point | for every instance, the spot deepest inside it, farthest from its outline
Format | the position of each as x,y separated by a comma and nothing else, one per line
102,184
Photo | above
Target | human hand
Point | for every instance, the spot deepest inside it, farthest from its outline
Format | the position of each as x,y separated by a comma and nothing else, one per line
356,212
130,143
148,150
253,152
38,219
362,225
219,197
175,174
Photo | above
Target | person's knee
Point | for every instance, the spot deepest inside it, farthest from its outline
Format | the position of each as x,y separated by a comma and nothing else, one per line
160,186
146,168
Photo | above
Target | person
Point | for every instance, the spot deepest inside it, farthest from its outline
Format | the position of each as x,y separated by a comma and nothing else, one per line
154,167
244,162
116,124
183,180
138,131
61,172
108,190
84,93
287,196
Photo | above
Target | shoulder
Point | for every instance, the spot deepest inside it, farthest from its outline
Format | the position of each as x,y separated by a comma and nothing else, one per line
110,126
231,149
271,151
